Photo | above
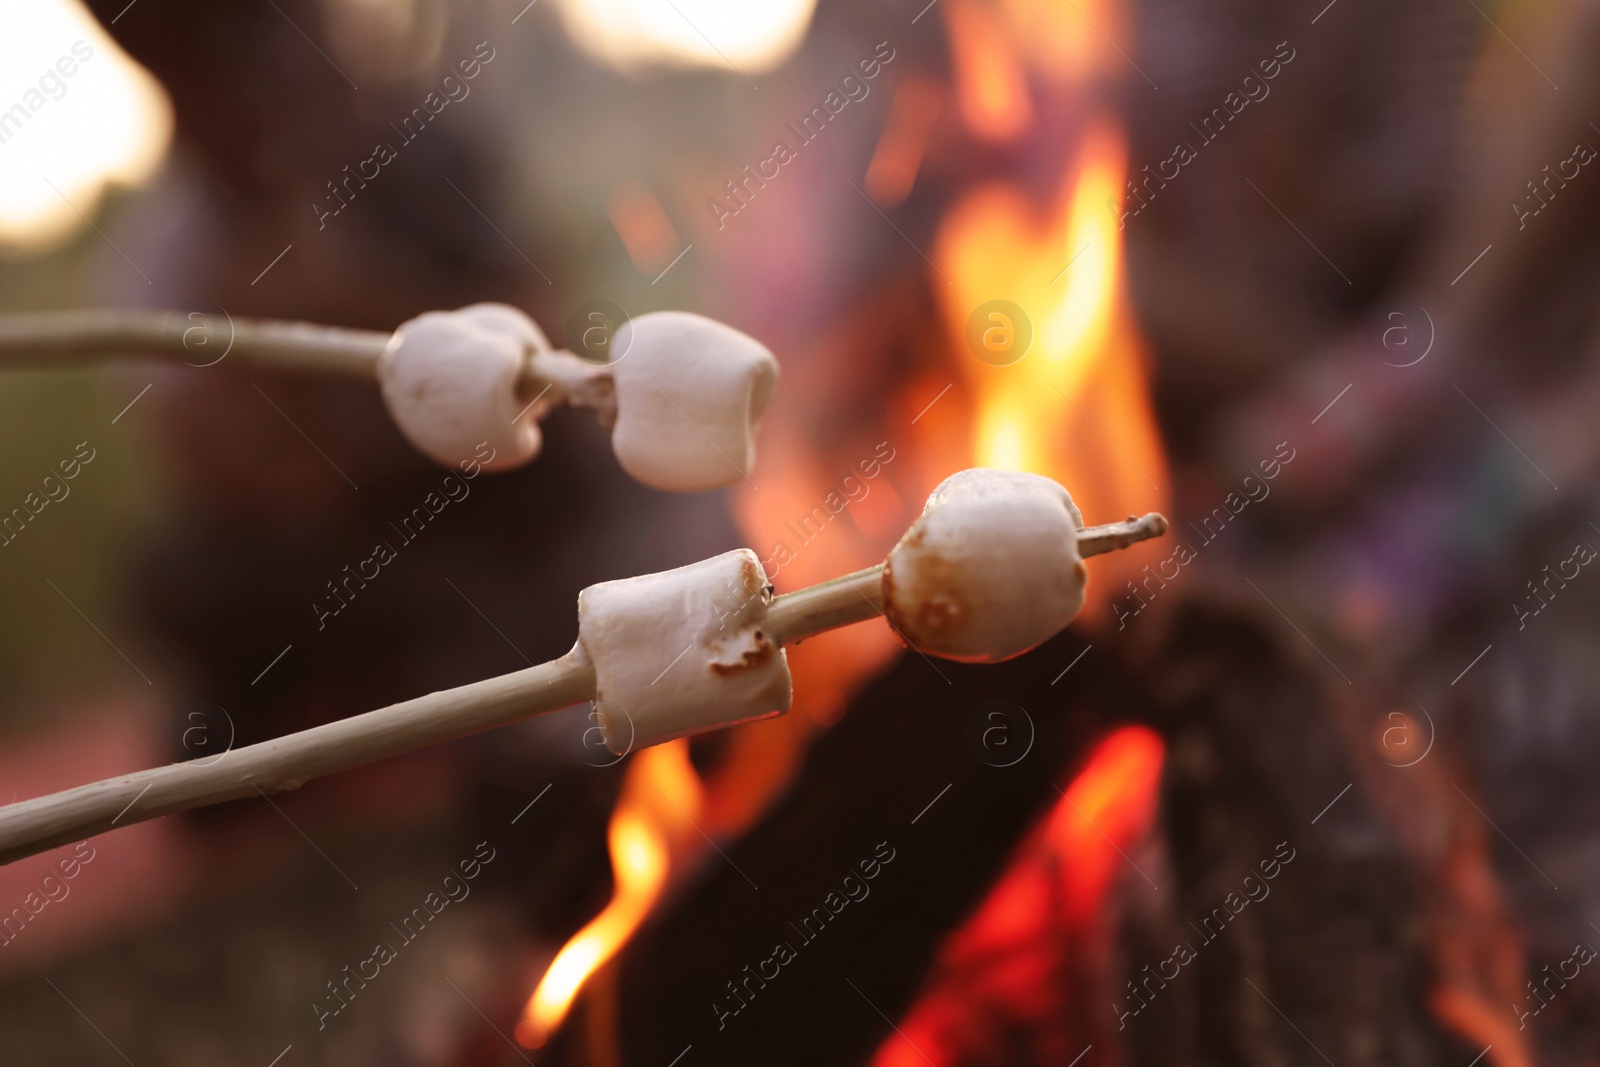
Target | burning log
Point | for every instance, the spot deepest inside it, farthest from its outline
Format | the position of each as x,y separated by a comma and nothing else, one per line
976,517
681,393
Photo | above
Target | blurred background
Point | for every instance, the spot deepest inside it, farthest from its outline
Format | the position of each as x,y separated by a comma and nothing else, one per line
1310,781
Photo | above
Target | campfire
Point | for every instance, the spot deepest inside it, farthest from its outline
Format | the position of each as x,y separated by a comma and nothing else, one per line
1059,389
822,372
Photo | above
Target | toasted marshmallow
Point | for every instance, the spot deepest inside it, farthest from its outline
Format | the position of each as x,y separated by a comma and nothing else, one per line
450,380
682,651
989,569
690,392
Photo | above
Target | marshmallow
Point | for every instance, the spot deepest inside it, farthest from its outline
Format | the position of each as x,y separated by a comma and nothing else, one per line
689,393
989,569
683,651
450,380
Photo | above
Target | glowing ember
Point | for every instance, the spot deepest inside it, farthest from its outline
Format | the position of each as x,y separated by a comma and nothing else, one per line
998,981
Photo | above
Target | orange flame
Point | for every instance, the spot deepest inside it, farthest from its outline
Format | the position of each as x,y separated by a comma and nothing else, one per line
760,758
1074,406
999,972
661,797
989,82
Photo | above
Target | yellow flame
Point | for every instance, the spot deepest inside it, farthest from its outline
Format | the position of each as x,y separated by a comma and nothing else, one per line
661,796
641,865
65,136
1074,407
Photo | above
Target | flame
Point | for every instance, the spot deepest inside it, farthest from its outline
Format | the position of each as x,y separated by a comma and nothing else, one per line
1075,406
652,829
761,757
999,973
989,81
1068,44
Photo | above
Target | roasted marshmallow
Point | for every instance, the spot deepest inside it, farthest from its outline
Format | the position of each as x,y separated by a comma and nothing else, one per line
682,651
989,569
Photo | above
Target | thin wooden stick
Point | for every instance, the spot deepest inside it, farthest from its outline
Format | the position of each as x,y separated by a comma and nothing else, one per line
287,762
196,338
859,596
204,339
1110,536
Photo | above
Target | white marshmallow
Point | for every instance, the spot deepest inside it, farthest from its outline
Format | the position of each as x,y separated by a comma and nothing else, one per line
450,381
689,394
682,651
989,569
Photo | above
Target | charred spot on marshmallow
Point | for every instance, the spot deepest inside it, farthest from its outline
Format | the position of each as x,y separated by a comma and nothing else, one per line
682,651
758,654
989,569
936,611
689,394
450,381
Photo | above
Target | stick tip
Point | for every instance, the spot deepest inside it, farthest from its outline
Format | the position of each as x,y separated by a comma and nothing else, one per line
1094,540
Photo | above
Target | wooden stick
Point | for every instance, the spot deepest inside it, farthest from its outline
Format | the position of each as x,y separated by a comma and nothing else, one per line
1110,536
203,339
196,338
287,762
859,596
